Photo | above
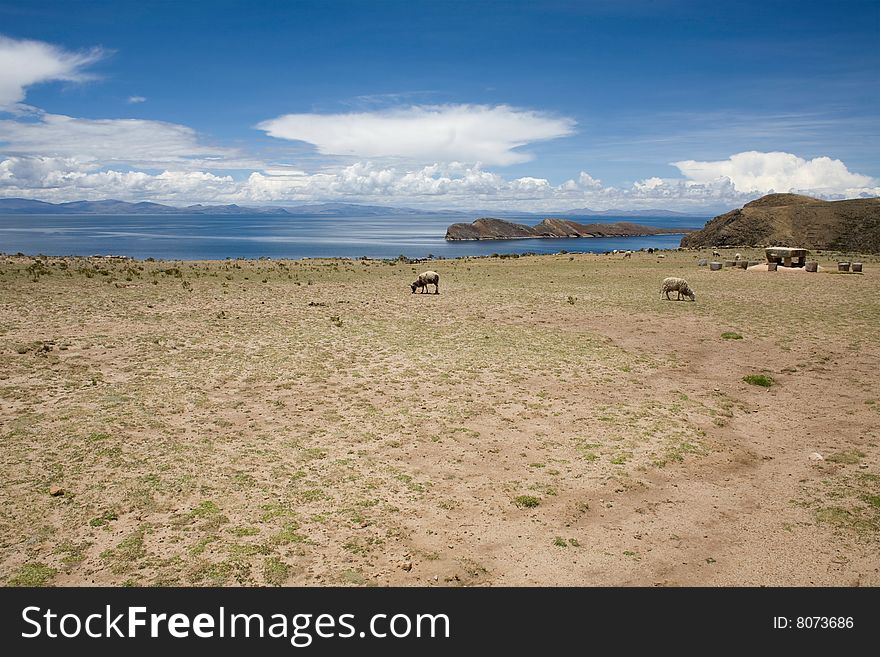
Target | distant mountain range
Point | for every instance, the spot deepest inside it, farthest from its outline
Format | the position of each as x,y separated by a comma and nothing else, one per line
111,207
587,212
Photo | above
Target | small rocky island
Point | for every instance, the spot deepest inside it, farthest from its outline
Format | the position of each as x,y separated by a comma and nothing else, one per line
488,228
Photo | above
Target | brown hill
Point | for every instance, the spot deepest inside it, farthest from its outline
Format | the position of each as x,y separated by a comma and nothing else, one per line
488,228
795,220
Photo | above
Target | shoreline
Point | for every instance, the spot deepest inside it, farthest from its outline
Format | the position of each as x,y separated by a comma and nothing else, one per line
756,252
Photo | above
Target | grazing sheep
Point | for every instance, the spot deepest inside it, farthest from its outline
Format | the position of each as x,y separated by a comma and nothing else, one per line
424,280
715,253
628,254
737,257
679,285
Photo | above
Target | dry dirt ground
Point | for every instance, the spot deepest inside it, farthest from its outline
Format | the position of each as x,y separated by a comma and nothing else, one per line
543,421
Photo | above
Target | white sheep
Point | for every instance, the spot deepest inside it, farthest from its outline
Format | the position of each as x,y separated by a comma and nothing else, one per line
715,253
737,257
628,254
424,280
679,285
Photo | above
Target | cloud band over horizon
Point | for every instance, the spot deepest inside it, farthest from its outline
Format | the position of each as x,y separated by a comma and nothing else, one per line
451,186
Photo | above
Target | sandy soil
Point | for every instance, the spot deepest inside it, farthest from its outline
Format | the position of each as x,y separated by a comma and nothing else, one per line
543,421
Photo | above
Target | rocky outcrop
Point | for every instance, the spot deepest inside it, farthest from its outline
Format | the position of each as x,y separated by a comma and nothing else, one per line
488,228
795,221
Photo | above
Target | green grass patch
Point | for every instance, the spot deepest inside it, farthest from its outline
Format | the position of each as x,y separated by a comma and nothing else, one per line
527,501
32,574
275,571
205,509
72,553
851,457
244,531
872,500
355,577
834,515
126,554
288,535
102,520
758,380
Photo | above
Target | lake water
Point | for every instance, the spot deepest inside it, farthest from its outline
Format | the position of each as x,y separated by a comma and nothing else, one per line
215,237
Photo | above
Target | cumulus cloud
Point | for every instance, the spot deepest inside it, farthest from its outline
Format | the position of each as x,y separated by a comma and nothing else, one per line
756,172
67,179
438,185
26,63
151,144
466,187
437,133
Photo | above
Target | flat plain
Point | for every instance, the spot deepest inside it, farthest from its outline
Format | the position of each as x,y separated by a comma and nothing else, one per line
544,420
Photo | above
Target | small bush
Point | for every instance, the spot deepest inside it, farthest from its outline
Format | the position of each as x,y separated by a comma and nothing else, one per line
758,380
527,501
730,335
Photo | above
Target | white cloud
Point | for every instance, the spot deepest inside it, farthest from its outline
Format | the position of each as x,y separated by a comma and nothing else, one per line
649,184
756,172
437,186
133,100
441,186
66,179
437,133
151,144
26,63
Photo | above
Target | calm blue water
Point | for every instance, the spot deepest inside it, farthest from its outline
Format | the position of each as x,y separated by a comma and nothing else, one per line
198,237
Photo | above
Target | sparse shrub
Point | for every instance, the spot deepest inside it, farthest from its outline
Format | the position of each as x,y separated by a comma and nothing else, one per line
758,380
730,335
527,501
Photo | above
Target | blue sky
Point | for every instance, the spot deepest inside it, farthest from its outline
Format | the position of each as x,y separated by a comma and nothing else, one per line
540,106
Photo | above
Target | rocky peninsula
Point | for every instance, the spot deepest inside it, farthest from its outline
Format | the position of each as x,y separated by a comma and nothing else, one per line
489,228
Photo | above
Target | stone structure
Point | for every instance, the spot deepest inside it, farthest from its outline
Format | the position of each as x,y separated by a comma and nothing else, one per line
785,256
